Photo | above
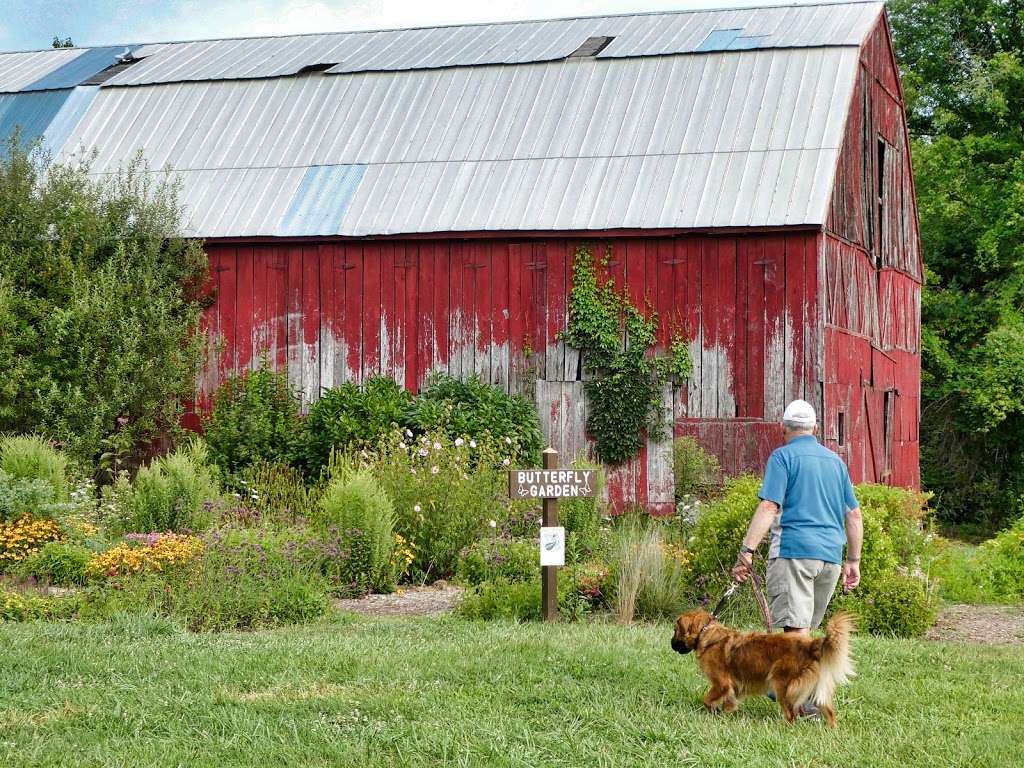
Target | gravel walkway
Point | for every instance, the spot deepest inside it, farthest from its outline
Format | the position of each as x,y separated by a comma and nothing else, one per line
982,624
410,601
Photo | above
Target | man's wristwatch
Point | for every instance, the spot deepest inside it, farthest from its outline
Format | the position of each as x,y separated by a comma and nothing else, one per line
747,550
853,559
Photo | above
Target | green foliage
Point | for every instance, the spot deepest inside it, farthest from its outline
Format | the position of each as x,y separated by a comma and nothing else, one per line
277,492
445,493
694,470
499,559
20,497
172,493
582,518
502,599
963,76
990,573
255,418
615,339
58,562
29,457
355,507
891,604
99,303
349,417
719,530
473,409
19,606
649,575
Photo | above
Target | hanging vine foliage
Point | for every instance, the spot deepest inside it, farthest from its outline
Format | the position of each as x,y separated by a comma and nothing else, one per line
617,342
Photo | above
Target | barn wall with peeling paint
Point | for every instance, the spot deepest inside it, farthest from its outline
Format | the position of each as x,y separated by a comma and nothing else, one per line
336,311
873,277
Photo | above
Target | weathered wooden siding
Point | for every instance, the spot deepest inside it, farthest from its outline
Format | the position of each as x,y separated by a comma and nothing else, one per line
345,310
873,276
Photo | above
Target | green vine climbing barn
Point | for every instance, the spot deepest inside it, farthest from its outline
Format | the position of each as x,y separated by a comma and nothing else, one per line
405,201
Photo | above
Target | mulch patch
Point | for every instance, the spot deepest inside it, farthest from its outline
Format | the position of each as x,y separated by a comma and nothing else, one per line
434,600
981,624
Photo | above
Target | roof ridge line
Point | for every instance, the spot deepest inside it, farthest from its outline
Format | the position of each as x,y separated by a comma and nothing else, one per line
463,24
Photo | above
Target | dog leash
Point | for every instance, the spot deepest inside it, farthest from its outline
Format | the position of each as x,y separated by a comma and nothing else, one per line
758,589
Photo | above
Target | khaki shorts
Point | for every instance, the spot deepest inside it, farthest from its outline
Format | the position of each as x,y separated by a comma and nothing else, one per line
799,591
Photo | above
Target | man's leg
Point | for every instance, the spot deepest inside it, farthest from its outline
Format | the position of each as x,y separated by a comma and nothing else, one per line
824,587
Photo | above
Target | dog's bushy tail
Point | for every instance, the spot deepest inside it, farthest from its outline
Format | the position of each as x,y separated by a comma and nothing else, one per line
835,666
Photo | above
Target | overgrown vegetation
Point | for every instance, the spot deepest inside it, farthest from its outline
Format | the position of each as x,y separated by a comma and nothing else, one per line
962,63
99,304
617,340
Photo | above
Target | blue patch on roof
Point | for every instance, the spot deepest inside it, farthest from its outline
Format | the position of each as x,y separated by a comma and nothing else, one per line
72,110
747,43
80,68
29,113
719,40
321,200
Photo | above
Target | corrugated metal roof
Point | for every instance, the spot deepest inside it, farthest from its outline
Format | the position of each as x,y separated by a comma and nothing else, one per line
736,138
19,70
505,43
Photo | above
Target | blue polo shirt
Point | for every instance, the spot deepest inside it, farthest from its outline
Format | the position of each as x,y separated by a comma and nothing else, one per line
812,486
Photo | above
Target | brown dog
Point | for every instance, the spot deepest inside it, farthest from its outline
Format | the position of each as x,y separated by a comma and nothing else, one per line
798,669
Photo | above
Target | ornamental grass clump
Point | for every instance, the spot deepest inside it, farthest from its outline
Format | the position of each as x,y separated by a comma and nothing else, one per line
650,574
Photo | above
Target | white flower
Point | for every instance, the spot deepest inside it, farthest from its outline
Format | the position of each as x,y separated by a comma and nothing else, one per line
417,508
437,446
459,442
465,476
402,445
408,433
506,461
434,469
508,441
493,523
472,443
412,471
423,451
364,454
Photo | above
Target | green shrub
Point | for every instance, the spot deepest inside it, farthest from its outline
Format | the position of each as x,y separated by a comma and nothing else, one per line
355,507
349,417
100,303
718,533
649,575
19,606
993,572
22,496
171,494
29,457
58,562
445,492
473,409
892,604
499,558
519,600
255,418
581,518
693,469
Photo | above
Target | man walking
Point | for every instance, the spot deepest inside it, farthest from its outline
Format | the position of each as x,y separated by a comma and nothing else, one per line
808,504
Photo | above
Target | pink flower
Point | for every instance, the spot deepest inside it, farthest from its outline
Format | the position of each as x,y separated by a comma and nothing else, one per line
423,451
402,445
417,508
437,446
459,442
506,461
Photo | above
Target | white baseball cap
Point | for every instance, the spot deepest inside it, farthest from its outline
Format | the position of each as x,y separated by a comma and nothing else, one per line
800,412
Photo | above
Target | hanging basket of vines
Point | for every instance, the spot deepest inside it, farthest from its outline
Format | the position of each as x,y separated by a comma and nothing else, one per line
617,343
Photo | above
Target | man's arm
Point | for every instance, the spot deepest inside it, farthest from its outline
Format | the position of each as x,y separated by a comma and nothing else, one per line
854,539
759,526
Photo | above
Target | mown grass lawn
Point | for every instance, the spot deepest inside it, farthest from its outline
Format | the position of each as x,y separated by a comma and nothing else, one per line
376,692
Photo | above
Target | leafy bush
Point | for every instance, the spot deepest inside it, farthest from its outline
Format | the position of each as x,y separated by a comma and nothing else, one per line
355,508
255,418
170,493
499,558
892,603
348,417
519,600
445,494
990,573
100,303
650,575
473,409
58,562
581,518
22,496
718,533
694,469
29,457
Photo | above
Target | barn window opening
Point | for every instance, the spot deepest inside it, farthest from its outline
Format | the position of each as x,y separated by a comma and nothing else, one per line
887,419
591,47
841,429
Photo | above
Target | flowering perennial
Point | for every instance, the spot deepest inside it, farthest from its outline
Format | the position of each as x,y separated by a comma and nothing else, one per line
25,536
158,551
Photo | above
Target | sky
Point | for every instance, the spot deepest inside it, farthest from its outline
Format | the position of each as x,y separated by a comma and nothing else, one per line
29,24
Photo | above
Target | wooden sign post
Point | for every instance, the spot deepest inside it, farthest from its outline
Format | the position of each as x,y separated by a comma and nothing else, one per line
551,484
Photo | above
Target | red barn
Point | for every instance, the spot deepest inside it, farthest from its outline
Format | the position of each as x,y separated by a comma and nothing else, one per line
404,201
